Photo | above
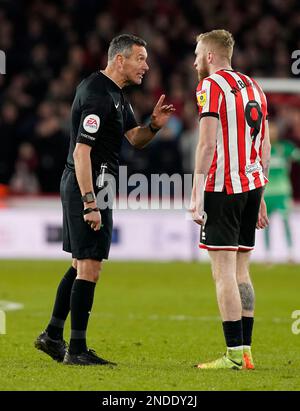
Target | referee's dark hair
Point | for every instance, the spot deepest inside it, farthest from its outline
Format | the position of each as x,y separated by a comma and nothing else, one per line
122,44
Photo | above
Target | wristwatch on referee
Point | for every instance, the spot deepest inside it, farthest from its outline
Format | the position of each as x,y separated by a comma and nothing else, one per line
153,129
88,197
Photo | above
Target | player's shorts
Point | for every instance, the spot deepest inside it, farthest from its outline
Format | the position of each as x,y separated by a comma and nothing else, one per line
78,237
231,220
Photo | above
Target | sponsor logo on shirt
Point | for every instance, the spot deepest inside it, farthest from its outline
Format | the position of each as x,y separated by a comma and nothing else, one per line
91,123
251,168
201,98
88,137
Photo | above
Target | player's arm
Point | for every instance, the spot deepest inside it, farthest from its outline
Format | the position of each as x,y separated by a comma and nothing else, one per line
266,151
203,159
262,220
140,136
83,170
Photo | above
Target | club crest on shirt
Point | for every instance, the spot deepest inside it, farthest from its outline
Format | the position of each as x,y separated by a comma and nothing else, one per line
91,123
201,98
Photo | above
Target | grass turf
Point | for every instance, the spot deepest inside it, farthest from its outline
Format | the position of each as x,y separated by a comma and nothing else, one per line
155,320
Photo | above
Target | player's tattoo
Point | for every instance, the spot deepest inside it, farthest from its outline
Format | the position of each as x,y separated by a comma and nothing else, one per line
247,296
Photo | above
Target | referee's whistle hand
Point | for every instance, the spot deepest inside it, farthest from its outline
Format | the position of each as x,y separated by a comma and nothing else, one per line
93,219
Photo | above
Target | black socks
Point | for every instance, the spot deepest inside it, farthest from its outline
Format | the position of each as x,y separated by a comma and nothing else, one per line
239,332
247,323
62,305
233,333
82,298
77,295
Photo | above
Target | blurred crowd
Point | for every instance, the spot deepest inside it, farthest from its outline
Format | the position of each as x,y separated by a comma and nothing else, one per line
50,46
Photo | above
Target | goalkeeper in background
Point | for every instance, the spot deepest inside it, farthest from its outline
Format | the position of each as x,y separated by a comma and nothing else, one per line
278,193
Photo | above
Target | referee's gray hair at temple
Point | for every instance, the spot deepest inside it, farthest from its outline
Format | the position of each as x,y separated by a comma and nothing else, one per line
122,44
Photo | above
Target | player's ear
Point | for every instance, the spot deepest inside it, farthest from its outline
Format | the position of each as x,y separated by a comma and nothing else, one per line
209,56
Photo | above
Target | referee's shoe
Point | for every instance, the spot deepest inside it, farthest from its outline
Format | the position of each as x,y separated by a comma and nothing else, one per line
56,349
88,357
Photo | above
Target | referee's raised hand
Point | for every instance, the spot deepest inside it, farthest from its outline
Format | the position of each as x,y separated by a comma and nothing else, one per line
161,113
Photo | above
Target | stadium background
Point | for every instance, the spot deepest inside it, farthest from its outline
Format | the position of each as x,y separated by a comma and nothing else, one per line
50,46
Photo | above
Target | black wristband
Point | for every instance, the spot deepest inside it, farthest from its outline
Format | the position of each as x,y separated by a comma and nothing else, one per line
152,129
89,210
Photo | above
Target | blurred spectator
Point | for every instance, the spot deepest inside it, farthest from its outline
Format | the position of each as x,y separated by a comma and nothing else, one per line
24,180
190,137
164,152
50,46
51,144
278,193
8,133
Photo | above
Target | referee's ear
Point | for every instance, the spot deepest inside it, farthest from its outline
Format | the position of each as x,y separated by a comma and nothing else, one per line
119,61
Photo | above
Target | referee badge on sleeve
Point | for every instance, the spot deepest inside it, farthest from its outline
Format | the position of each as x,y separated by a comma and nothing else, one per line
91,123
201,98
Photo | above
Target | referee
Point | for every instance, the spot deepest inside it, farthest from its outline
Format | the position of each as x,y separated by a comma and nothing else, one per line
101,117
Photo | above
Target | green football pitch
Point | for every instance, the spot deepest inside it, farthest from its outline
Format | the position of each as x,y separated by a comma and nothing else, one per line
156,320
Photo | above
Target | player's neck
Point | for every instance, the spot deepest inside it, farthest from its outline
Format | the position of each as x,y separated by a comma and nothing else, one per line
113,76
214,69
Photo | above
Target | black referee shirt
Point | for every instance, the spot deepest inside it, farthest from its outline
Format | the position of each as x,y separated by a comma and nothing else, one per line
100,117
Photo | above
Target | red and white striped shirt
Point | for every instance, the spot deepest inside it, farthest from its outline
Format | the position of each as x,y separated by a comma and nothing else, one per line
241,107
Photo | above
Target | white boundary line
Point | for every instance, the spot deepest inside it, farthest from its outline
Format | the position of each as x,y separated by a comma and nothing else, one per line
10,306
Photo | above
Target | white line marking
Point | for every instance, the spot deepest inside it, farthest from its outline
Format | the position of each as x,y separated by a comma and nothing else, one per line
10,306
179,317
2,322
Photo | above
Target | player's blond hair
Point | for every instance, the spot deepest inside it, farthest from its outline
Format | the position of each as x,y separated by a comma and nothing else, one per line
221,41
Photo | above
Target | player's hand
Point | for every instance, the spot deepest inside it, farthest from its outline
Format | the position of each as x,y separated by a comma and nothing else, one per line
262,220
198,214
161,113
93,219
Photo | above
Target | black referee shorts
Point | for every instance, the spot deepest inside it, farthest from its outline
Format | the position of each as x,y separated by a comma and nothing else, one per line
231,220
78,237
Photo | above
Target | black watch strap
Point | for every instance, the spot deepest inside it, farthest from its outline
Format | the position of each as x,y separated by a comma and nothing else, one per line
88,197
153,129
90,210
